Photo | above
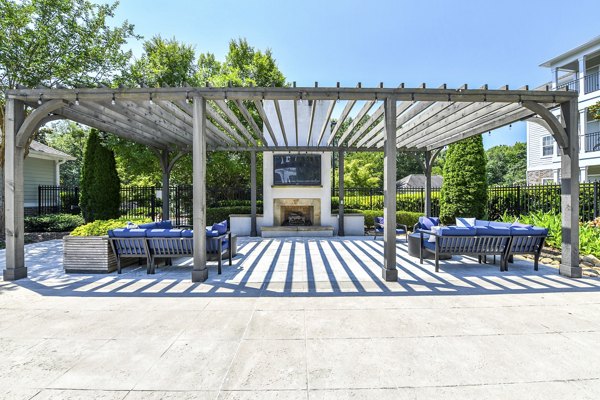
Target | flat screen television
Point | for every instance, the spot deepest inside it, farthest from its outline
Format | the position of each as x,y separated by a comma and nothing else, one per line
297,169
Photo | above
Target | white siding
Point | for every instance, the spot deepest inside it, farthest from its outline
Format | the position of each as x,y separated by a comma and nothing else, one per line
535,133
37,171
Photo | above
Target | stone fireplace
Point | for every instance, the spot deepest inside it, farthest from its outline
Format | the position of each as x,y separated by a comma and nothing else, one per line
296,212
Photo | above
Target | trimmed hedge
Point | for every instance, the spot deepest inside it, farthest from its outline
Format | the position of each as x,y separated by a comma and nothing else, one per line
53,223
218,214
402,217
101,227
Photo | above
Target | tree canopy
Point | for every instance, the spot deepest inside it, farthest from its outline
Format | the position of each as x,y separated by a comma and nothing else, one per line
464,192
507,165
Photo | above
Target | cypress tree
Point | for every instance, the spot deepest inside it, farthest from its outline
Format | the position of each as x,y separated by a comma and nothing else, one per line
464,191
100,185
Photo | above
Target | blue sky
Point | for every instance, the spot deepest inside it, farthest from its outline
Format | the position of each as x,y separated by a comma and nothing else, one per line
427,41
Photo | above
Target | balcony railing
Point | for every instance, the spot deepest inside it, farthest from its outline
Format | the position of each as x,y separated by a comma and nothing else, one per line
572,86
592,82
592,141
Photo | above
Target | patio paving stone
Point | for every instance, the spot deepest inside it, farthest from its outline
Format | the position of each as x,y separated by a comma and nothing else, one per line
305,318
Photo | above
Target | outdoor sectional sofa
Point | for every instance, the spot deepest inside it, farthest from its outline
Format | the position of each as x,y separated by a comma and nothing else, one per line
480,238
160,240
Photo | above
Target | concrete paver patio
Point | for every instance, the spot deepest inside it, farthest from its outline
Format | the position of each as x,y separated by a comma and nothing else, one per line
295,319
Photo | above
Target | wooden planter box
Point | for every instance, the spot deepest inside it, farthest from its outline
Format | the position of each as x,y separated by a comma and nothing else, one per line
90,254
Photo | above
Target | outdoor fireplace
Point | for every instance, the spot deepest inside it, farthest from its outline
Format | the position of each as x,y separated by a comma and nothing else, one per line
296,212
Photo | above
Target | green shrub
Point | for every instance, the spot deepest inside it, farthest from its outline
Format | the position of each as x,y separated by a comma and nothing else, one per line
101,227
464,192
53,223
402,217
589,236
218,214
100,184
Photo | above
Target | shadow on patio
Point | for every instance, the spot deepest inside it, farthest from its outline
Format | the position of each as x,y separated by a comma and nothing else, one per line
294,267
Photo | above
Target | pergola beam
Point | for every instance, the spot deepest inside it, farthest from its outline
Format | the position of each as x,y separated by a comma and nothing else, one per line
306,93
235,120
343,116
265,119
326,122
246,113
280,119
361,114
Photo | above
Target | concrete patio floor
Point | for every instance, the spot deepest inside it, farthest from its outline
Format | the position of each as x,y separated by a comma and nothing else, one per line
296,319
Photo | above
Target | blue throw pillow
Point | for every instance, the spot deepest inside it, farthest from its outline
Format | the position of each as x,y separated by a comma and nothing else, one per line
164,224
427,222
220,227
211,233
379,220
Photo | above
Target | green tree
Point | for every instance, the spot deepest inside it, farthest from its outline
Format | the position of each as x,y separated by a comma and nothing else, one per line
408,163
57,43
507,165
464,192
363,170
100,185
172,63
70,138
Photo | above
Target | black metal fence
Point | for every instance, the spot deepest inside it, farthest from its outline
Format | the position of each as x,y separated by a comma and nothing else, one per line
513,200
144,201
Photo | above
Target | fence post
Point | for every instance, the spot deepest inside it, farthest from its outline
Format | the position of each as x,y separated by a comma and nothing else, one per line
153,202
371,198
595,199
519,208
77,200
39,210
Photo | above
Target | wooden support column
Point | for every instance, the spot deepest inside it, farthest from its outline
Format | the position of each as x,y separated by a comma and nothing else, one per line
569,185
390,273
341,192
200,270
166,175
253,230
13,187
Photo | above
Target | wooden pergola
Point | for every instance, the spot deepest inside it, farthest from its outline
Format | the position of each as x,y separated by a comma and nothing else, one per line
173,121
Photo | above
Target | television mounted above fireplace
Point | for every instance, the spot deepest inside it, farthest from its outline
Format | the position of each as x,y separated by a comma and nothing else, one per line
297,169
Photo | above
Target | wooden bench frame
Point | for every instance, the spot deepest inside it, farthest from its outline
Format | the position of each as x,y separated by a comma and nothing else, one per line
153,248
467,246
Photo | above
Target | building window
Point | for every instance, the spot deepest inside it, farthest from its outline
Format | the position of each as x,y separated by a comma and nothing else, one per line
547,146
547,181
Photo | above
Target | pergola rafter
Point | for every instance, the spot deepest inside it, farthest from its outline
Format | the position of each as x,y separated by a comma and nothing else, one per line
173,121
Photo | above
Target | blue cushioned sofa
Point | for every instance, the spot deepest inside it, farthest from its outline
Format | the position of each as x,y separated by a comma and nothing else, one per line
482,238
401,229
160,240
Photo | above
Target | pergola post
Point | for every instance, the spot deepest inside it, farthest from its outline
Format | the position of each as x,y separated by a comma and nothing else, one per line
200,270
253,229
569,183
390,273
13,187
427,200
341,192
166,175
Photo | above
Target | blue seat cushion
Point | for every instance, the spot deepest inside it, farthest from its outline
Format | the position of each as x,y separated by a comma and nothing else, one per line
378,229
187,233
166,233
497,224
149,225
429,245
426,223
481,222
520,225
220,227
400,230
456,231
128,233
211,233
531,231
164,224
379,220
492,231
